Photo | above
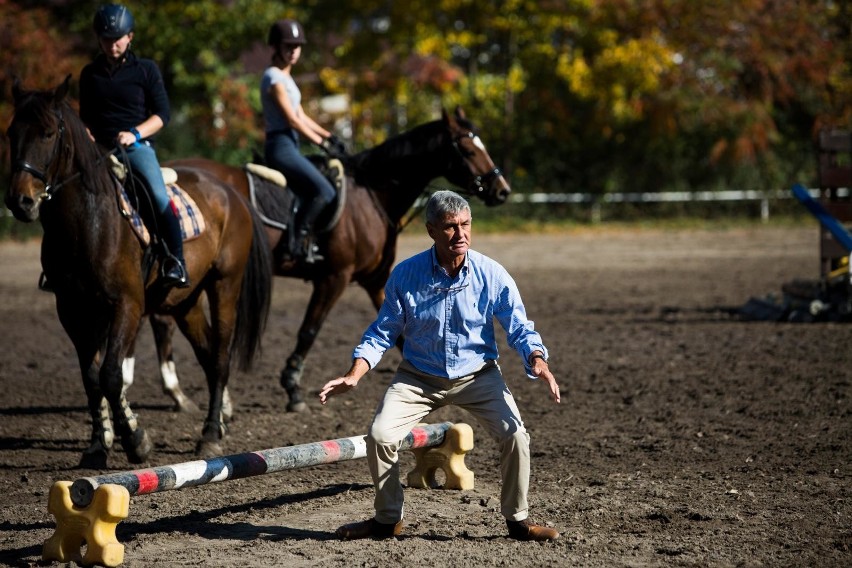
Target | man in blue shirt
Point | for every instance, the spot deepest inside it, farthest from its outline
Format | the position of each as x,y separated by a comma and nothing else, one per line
444,301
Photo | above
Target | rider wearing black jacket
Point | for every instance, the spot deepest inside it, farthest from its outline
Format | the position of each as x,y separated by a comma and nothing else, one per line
123,102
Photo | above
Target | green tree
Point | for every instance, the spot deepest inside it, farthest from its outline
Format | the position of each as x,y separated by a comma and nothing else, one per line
570,95
199,46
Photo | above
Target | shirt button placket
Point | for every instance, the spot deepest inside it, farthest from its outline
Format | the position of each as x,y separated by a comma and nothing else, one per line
448,333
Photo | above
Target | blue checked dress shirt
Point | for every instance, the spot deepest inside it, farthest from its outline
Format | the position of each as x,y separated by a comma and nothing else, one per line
448,323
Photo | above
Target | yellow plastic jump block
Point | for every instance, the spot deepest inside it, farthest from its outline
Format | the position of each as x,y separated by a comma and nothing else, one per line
448,457
93,526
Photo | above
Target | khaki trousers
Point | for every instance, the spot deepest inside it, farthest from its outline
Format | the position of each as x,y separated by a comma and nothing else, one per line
411,396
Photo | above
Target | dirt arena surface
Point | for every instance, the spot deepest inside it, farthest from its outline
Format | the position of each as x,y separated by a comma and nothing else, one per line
685,437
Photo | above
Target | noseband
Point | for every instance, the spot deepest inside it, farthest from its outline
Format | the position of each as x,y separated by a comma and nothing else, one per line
24,166
478,182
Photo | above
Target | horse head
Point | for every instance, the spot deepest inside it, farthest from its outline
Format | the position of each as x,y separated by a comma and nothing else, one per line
474,169
37,136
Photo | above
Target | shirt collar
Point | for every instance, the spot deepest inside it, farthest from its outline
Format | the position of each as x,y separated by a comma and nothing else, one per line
436,266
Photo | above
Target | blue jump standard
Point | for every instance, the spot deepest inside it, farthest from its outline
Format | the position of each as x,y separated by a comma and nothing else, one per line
249,464
832,225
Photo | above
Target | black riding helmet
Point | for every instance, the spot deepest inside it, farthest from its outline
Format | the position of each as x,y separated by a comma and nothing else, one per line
286,31
113,21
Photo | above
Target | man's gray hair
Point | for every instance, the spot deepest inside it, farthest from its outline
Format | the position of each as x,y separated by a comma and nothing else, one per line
444,203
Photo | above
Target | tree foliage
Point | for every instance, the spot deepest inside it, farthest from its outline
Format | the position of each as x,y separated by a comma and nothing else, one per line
570,95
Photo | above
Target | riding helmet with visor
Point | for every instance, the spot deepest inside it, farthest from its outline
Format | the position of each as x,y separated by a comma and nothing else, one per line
286,31
113,21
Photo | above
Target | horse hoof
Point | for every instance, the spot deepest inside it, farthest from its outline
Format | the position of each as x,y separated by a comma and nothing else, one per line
297,406
137,446
205,449
93,460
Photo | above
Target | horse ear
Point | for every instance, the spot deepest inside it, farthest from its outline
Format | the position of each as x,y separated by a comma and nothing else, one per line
62,90
16,88
448,118
459,113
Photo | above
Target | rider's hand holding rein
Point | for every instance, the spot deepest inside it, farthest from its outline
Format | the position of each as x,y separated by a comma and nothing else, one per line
333,146
146,129
126,138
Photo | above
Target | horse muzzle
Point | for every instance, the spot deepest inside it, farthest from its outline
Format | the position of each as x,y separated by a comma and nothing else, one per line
503,191
498,192
25,206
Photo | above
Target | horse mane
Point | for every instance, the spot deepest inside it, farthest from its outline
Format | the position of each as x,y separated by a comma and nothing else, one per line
379,167
41,107
381,161
402,145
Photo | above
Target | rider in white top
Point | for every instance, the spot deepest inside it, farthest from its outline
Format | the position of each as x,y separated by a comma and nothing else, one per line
286,122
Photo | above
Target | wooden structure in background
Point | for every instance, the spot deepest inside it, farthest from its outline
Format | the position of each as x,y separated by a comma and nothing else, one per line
834,149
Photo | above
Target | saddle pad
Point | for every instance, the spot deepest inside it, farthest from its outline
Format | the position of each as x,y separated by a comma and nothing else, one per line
273,200
132,216
191,221
273,203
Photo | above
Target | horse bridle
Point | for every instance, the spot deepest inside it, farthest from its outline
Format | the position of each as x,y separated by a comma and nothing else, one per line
478,182
24,166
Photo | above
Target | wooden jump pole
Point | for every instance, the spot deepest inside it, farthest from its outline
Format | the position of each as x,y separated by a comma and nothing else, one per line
89,509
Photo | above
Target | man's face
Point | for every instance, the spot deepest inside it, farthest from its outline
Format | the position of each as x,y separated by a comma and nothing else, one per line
452,235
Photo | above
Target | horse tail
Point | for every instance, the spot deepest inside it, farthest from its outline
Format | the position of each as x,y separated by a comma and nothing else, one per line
255,298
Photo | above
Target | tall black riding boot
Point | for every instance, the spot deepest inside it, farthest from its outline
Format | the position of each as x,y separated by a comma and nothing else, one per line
173,267
302,243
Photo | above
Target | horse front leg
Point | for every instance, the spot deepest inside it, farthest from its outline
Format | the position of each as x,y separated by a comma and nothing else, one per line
88,344
212,352
134,439
325,294
103,435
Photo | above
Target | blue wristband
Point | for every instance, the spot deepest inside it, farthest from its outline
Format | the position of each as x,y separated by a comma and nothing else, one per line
135,132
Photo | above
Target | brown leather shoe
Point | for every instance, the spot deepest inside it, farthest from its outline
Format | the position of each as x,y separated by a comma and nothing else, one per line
528,530
371,528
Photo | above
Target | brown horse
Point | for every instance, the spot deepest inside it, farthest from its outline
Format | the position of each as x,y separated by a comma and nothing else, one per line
97,267
382,185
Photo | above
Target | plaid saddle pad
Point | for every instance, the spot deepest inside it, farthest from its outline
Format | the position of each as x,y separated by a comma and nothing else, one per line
191,221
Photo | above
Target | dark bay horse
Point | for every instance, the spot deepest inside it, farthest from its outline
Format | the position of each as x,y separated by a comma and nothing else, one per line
382,185
94,262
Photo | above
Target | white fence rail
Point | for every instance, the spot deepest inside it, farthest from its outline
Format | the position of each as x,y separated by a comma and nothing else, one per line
596,201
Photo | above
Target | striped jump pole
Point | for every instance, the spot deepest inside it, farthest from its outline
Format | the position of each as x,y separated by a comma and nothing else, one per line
89,509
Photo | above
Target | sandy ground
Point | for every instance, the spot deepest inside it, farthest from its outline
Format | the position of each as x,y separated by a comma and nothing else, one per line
685,437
